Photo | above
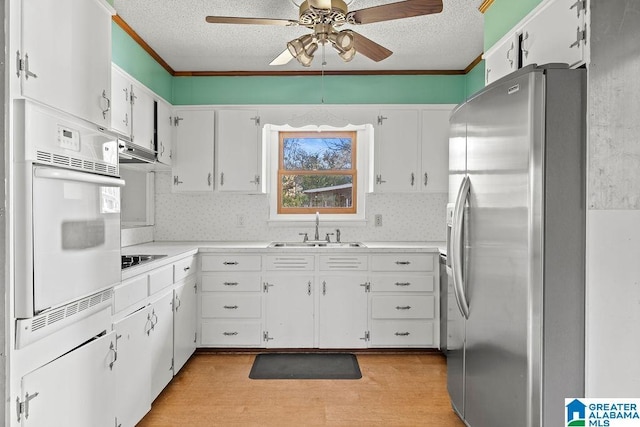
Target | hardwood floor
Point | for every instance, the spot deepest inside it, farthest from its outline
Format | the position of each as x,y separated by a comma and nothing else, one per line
395,390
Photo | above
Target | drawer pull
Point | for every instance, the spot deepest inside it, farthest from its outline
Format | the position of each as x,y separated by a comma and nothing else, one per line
403,307
403,262
230,263
186,268
402,334
230,283
231,307
403,283
229,334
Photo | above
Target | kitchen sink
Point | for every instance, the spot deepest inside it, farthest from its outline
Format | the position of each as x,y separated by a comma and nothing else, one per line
317,245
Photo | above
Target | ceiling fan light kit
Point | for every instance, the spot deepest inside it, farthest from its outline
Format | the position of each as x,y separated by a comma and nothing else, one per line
323,16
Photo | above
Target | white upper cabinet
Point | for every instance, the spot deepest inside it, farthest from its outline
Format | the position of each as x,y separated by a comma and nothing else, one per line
142,112
192,163
120,102
164,129
502,59
555,33
239,151
65,56
434,177
396,151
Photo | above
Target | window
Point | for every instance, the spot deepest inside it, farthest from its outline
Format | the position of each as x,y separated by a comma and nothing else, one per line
317,172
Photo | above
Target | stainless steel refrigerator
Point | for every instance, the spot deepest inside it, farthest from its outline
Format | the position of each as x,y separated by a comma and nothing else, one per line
516,248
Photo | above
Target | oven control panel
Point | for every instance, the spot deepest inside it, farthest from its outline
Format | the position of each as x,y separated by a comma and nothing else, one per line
68,138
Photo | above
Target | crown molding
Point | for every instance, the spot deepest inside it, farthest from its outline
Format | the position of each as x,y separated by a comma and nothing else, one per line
485,5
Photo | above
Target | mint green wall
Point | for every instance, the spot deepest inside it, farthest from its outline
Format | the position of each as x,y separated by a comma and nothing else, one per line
129,56
503,15
475,79
424,89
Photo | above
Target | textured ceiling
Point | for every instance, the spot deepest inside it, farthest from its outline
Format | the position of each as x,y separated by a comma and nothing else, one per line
177,31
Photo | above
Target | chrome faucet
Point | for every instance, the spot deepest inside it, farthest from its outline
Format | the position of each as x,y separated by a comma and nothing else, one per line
317,235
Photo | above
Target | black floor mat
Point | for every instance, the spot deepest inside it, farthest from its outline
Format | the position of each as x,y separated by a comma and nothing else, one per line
305,366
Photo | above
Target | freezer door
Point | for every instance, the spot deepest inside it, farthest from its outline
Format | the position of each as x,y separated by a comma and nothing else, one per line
502,124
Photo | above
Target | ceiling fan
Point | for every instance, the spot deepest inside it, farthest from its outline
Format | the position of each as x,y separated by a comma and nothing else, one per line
325,16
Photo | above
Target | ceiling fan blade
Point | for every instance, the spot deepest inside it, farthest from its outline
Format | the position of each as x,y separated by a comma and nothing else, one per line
283,58
398,10
251,21
369,48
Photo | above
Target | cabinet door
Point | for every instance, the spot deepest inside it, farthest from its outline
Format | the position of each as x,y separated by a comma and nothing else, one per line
502,60
553,34
193,160
343,311
132,370
66,48
120,102
435,151
289,311
238,156
75,390
164,120
161,334
142,105
396,151
184,323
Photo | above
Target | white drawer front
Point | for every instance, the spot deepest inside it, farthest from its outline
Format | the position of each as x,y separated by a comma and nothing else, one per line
129,292
402,333
231,282
403,307
183,268
235,333
289,262
403,262
343,262
160,278
403,283
232,306
231,262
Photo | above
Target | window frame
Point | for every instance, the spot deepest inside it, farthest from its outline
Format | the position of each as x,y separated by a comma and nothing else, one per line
352,172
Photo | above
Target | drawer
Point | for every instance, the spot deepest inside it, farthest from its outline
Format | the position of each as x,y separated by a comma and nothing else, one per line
160,278
403,283
231,333
403,307
403,262
343,262
289,262
232,306
231,282
402,333
130,292
231,262
183,268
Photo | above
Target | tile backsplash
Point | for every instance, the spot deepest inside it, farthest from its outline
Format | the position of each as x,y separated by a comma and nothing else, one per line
206,217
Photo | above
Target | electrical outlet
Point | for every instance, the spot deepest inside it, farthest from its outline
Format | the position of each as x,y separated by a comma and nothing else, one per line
239,220
378,220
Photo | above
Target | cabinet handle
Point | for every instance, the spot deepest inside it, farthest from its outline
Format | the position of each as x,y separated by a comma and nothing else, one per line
525,52
148,331
379,179
403,283
115,355
176,181
231,307
266,286
324,287
256,180
104,96
403,262
402,334
186,268
509,55
230,283
403,307
154,322
209,179
486,78
309,287
229,334
413,178
426,179
221,178
179,303
230,263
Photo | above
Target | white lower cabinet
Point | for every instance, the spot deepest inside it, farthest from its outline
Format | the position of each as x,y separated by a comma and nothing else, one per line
343,311
133,372
184,322
75,390
161,344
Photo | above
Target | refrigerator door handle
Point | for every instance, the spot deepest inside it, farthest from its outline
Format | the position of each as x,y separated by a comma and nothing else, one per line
456,249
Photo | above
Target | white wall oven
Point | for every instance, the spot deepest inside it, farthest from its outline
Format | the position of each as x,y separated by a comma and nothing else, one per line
68,221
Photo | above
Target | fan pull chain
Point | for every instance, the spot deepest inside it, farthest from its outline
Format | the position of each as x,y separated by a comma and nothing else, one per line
324,62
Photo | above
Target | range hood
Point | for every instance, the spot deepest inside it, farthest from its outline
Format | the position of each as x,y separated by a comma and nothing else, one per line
132,153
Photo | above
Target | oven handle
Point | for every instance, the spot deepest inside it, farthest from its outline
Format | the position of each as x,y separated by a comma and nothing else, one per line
69,175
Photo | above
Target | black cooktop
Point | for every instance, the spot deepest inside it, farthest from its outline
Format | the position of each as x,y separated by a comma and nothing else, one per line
133,260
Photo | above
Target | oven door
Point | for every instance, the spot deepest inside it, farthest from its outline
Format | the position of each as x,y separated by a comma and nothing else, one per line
76,235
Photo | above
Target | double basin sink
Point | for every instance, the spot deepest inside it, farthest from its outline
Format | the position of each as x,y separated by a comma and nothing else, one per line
317,244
